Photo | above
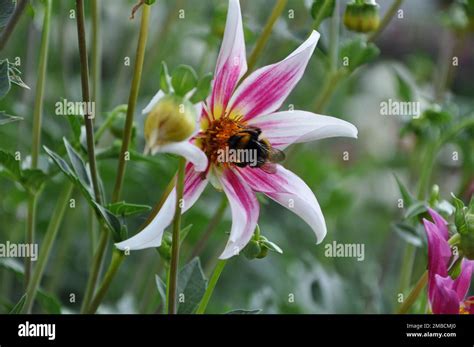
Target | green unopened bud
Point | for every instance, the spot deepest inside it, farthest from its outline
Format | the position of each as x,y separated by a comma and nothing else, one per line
263,253
362,17
165,249
172,119
118,124
434,195
252,250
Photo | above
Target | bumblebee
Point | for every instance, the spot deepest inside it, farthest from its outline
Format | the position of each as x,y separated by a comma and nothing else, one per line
249,139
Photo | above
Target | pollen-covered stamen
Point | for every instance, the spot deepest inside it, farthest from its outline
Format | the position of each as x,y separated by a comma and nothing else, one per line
215,138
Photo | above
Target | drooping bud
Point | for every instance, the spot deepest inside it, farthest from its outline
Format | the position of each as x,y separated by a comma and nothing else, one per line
362,16
259,246
172,119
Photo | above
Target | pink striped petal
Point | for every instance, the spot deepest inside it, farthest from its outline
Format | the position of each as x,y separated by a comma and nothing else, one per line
444,300
245,210
291,192
285,128
440,223
462,283
265,90
231,62
439,253
152,234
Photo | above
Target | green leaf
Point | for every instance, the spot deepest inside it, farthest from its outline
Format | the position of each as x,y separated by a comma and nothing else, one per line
112,221
192,284
408,199
161,286
11,165
6,118
408,233
125,209
165,78
77,163
243,311
322,9
405,90
416,209
19,305
6,9
357,52
14,75
271,246
33,180
184,232
203,89
183,80
48,303
5,84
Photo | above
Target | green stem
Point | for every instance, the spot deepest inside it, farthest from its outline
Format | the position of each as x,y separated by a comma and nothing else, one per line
174,264
96,53
334,38
212,284
47,245
37,120
95,270
265,35
407,267
385,20
320,17
213,223
12,22
408,303
88,118
132,101
30,233
117,258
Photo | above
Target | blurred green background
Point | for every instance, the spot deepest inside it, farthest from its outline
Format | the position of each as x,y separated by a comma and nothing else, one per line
358,196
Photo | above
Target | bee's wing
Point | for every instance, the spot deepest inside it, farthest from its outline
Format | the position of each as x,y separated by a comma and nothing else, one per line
275,155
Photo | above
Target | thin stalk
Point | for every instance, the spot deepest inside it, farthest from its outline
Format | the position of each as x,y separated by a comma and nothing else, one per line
95,270
212,284
117,258
414,294
320,17
265,35
12,22
96,52
132,101
385,20
334,37
30,233
213,223
37,120
174,264
47,245
88,118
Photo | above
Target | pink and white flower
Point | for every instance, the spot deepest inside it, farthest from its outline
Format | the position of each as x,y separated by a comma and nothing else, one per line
234,104
446,295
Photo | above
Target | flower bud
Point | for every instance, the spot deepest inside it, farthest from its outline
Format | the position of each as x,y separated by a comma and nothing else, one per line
165,249
172,119
252,250
362,17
